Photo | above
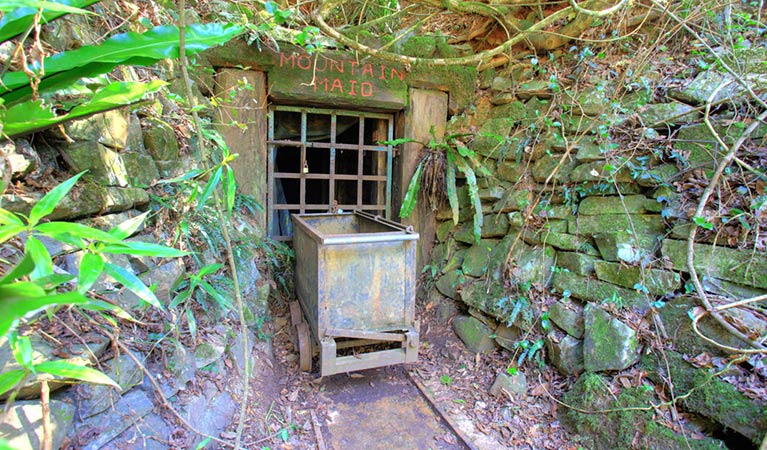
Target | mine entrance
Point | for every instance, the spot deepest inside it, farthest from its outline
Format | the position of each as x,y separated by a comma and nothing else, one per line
323,160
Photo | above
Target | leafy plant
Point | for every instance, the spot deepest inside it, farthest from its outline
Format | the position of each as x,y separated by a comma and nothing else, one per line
32,285
446,380
439,167
19,90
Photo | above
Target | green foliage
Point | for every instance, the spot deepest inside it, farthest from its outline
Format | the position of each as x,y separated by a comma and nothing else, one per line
32,285
20,14
22,112
446,380
457,158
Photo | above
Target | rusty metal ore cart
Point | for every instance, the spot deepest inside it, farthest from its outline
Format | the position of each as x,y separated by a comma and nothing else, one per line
355,278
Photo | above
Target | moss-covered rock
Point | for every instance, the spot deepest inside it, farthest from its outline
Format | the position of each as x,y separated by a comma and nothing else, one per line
593,290
513,200
477,257
577,263
608,343
474,333
627,247
638,223
449,282
547,165
656,281
739,266
663,115
627,422
701,391
627,204
568,316
496,301
565,352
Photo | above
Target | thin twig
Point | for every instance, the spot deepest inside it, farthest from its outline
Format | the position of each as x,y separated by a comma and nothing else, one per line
45,400
723,164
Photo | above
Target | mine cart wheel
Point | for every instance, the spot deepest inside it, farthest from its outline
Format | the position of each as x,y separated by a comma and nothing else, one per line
304,347
295,313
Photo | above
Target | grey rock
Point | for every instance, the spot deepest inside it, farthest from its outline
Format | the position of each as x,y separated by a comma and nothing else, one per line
22,425
506,384
23,158
565,353
109,128
209,351
211,412
129,410
627,247
98,398
507,336
474,334
568,316
663,115
608,344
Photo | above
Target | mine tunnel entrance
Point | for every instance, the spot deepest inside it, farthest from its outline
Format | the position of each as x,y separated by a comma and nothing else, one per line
323,160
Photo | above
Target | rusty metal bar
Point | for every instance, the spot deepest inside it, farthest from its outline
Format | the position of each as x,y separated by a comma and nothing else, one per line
364,334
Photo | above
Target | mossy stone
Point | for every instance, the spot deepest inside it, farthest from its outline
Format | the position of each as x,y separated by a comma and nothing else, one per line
630,422
656,281
739,266
568,316
448,283
593,290
608,343
544,167
709,395
565,353
577,263
627,204
477,257
474,334
663,115
638,223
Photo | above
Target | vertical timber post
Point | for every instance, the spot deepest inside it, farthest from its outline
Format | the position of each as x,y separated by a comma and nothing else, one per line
247,107
426,111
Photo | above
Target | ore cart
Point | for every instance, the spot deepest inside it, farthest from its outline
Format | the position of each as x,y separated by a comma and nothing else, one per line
355,278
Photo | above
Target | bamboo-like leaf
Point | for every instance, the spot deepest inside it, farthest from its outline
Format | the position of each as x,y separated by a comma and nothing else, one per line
143,248
128,227
21,346
9,231
222,301
40,256
65,230
101,305
209,187
408,204
68,370
91,267
452,190
180,298
130,48
30,116
187,176
209,269
9,218
21,13
231,188
471,180
132,283
48,203
24,267
9,380
22,298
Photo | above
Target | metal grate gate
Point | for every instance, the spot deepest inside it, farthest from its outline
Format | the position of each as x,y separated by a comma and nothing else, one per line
323,160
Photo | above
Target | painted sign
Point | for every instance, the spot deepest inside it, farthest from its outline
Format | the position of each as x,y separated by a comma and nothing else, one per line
334,78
